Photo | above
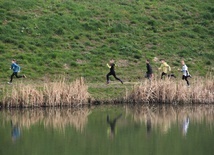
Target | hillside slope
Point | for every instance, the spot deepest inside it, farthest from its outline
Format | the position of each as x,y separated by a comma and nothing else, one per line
78,37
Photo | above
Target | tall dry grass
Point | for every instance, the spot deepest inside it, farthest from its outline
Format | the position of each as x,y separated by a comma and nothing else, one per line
50,94
171,91
164,116
54,118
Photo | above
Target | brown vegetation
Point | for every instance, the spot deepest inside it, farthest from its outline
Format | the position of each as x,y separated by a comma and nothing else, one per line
171,91
49,94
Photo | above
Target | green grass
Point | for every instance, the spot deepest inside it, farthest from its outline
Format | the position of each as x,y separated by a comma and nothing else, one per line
77,38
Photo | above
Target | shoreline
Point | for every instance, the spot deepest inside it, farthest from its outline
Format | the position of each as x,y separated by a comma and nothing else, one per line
78,93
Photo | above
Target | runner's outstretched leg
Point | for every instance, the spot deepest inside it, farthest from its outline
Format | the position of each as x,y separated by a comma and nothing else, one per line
117,78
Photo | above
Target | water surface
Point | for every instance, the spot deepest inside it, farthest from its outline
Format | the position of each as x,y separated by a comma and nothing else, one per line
108,130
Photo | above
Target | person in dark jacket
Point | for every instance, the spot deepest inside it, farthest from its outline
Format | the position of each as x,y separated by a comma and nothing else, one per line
112,65
149,72
16,68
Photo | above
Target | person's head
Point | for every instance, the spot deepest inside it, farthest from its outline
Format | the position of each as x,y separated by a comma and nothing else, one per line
111,61
162,60
182,62
13,61
147,61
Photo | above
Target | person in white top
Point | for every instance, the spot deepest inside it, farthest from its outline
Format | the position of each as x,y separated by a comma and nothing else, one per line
185,72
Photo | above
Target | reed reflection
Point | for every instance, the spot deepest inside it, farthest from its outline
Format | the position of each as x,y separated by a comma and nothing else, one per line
50,118
163,117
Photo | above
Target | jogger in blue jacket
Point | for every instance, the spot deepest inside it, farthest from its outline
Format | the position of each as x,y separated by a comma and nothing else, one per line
16,69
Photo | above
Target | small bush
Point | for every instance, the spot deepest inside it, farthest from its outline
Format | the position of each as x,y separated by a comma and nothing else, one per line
208,63
60,31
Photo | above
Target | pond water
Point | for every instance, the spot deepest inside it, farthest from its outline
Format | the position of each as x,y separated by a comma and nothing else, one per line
108,130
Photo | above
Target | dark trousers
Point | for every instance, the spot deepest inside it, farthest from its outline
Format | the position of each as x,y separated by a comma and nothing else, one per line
14,74
112,73
186,79
165,74
148,76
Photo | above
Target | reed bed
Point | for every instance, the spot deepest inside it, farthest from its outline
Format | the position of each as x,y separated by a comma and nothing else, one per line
54,118
164,116
171,91
49,94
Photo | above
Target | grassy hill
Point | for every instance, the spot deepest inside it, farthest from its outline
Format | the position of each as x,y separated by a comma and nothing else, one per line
78,37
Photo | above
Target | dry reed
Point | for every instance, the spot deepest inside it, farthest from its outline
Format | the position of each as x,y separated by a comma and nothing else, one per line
50,94
171,91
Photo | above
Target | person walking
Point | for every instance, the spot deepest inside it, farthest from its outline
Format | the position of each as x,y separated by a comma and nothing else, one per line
112,65
149,73
185,72
165,68
16,68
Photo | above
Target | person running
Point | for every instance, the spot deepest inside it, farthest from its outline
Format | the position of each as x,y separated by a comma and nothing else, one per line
165,68
112,65
16,69
185,72
149,73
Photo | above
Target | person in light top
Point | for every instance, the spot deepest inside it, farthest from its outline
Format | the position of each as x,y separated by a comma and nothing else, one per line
185,72
165,68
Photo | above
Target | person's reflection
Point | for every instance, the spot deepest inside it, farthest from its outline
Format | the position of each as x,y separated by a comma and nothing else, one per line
185,126
15,133
112,124
148,127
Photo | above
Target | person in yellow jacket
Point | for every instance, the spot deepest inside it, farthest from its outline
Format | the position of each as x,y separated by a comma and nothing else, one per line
111,66
165,68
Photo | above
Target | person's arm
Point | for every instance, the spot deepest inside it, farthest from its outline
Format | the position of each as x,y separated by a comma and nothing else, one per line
160,67
108,65
168,67
17,67
147,67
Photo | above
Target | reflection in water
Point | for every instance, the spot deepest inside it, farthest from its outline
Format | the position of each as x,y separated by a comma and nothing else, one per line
185,126
148,126
155,118
112,124
51,117
15,133
162,117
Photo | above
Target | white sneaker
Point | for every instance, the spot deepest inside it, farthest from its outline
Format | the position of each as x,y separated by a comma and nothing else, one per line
9,82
